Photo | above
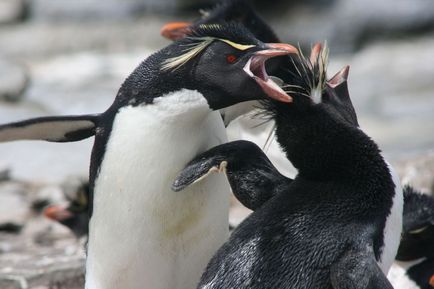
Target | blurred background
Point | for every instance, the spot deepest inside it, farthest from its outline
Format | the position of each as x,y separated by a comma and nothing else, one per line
70,57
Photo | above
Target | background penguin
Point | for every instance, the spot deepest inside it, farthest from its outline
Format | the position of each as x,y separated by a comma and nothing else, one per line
415,268
227,11
75,215
330,228
141,234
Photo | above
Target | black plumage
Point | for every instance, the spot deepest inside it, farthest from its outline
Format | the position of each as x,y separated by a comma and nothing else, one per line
325,229
417,242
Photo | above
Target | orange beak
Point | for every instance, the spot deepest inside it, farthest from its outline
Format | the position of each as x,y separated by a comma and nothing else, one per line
255,67
176,30
57,213
431,281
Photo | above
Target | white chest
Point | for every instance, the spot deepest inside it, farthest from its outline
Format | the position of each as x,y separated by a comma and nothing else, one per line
393,228
142,234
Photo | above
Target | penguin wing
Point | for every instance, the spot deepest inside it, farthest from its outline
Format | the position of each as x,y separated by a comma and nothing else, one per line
358,270
252,176
52,129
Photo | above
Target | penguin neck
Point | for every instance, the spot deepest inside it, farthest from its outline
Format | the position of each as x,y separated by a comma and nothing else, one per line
322,147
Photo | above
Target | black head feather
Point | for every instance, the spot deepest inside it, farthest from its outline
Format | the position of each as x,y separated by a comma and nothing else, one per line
231,31
240,11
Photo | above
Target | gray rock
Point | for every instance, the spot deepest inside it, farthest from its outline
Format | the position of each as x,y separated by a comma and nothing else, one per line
13,81
418,171
11,11
351,24
14,207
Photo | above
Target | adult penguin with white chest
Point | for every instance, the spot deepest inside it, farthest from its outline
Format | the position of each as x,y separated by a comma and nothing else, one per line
337,224
141,234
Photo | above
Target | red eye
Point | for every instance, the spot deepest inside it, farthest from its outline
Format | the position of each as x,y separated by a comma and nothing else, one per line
231,58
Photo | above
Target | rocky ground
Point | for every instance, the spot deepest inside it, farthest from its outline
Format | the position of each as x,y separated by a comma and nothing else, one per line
69,60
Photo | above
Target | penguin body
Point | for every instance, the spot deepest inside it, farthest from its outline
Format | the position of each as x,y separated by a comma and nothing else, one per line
415,258
141,234
330,227
177,228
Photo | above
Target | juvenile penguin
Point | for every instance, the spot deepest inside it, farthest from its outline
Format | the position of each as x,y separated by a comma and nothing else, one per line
415,266
141,234
335,226
75,215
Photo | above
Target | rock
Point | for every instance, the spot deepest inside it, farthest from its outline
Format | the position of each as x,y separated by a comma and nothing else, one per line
11,11
418,171
13,81
4,174
350,24
14,207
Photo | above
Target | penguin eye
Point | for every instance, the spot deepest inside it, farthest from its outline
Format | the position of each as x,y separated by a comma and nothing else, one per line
230,58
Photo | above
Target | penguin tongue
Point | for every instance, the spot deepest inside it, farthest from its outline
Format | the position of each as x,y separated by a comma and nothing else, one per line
255,67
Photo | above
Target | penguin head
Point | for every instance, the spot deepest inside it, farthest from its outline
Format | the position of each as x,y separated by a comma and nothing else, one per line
418,226
227,11
317,128
224,62
312,91
75,215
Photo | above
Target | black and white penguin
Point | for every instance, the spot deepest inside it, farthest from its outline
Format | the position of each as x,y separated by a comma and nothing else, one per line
251,175
75,215
339,222
142,234
239,11
414,268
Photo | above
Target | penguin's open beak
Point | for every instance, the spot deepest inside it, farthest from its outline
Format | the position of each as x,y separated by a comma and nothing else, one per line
431,281
57,213
175,30
255,67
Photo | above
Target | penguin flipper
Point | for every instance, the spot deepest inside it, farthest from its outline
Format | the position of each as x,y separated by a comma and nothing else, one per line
53,129
358,270
252,176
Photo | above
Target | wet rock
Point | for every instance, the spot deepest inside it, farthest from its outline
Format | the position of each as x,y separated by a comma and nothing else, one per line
13,81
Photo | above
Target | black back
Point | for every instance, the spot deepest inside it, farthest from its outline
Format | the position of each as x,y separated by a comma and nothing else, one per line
337,203
418,226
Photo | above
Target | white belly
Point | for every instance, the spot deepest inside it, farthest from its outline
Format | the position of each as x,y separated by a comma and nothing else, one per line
142,234
393,228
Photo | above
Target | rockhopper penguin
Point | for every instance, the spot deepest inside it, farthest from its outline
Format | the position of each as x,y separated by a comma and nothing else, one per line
338,223
242,12
75,215
415,266
141,234
251,175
